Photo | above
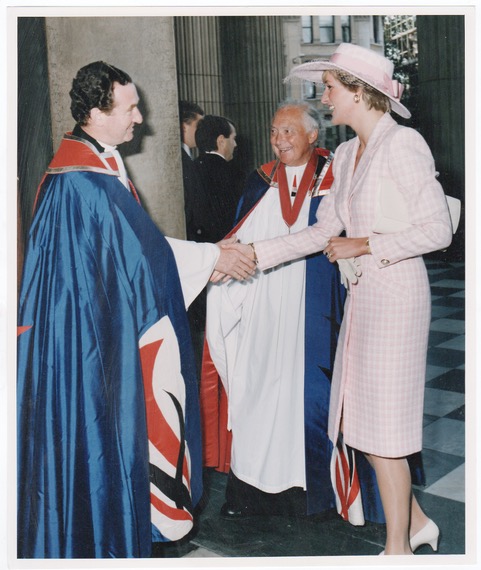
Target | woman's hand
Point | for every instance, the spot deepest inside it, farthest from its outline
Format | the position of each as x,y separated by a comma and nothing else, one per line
343,248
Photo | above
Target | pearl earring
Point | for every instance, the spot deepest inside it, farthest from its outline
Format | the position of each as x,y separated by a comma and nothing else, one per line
356,98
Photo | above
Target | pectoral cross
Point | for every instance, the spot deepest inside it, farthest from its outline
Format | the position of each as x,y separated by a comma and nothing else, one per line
294,187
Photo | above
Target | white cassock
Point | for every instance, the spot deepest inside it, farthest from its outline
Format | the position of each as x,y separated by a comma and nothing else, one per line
255,331
195,264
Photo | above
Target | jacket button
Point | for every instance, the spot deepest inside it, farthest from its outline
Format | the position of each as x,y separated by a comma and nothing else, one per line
385,261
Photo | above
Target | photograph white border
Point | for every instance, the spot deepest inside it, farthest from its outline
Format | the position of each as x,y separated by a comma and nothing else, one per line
8,216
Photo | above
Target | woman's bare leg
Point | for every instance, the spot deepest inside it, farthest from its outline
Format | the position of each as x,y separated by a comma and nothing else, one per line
418,518
394,481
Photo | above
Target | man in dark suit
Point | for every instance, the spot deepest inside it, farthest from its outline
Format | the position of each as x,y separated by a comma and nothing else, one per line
212,206
189,115
221,182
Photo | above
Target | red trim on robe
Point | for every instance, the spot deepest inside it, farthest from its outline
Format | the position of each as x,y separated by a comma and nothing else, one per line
77,154
216,438
159,431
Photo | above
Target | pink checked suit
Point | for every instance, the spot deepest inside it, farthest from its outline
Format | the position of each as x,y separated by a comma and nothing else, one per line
379,374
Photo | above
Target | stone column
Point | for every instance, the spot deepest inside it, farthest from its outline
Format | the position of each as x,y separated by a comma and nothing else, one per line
253,72
33,118
234,66
199,54
144,48
441,103
362,31
292,32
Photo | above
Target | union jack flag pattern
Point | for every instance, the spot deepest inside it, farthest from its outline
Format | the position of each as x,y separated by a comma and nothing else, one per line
345,482
170,466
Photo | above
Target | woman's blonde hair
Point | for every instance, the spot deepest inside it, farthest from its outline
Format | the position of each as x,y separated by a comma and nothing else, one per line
374,98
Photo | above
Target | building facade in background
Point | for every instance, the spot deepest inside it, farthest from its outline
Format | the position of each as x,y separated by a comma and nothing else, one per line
232,66
238,66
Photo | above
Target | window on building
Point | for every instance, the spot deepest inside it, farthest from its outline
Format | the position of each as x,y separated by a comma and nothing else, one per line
309,90
346,28
307,35
326,29
377,29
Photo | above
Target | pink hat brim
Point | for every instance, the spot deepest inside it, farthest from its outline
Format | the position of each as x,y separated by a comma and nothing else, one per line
310,72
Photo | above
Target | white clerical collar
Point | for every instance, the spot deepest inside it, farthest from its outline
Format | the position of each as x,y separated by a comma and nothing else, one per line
120,163
107,147
296,168
294,173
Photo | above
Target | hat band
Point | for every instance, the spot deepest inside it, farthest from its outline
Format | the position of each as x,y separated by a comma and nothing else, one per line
386,84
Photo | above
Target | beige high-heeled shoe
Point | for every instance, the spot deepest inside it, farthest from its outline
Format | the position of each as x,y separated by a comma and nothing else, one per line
429,534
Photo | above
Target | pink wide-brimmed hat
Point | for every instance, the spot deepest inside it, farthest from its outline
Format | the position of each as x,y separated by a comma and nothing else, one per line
365,64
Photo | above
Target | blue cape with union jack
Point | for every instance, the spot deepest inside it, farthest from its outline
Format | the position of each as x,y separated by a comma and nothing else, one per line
108,428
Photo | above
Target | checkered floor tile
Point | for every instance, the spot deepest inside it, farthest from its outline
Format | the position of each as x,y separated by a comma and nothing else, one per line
442,497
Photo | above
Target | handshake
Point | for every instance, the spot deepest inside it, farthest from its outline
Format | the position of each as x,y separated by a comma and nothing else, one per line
237,261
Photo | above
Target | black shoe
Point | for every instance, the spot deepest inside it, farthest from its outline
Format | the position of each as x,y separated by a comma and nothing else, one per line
158,550
229,512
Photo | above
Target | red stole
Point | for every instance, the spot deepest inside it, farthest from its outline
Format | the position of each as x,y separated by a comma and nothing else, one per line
79,155
216,439
290,210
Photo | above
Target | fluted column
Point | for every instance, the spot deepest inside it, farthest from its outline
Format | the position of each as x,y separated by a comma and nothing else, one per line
198,56
33,118
252,71
234,66
362,31
441,103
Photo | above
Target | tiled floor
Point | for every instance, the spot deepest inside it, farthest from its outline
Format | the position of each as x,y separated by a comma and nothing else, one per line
443,496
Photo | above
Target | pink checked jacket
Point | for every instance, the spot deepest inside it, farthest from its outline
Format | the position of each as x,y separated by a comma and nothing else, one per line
379,375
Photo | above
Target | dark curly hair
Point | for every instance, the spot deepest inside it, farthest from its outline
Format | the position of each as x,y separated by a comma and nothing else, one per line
93,88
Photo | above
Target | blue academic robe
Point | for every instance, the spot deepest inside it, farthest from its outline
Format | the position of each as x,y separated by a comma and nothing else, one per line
98,274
